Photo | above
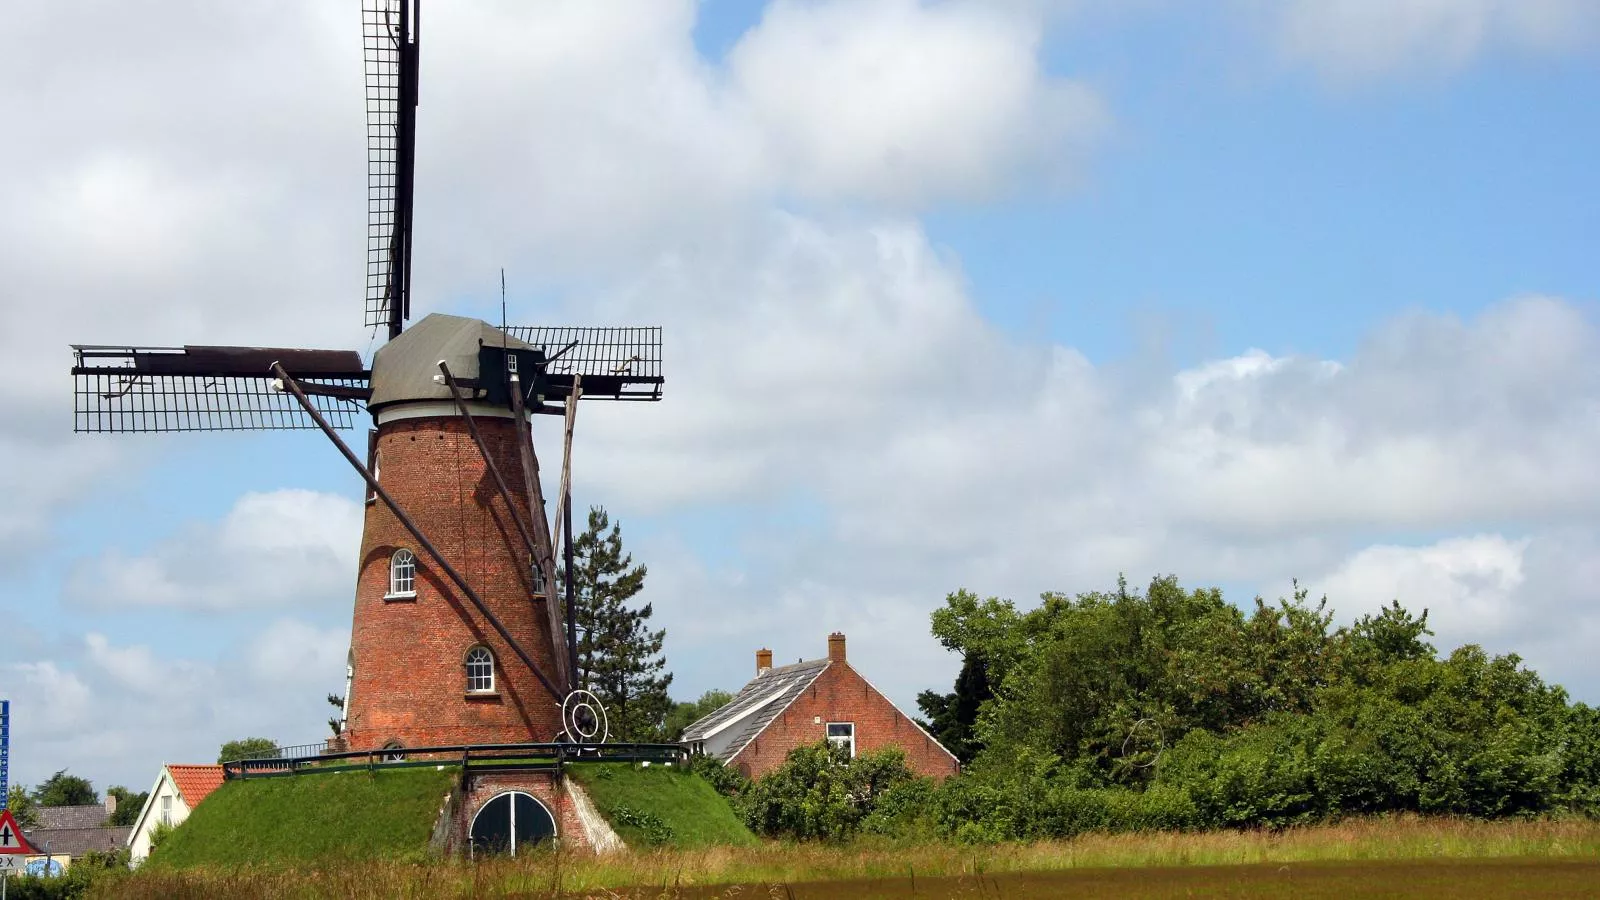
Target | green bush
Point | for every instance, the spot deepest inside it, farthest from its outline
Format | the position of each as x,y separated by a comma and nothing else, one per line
821,793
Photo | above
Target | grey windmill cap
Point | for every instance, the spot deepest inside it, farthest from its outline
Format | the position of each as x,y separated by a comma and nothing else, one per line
403,369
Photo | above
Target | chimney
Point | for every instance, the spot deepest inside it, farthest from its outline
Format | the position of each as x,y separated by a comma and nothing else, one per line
763,660
111,805
836,647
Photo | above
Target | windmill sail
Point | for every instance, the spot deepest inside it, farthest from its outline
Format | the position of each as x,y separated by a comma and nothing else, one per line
155,389
390,50
616,363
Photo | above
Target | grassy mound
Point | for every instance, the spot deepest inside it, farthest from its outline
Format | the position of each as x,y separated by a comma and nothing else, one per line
661,806
383,814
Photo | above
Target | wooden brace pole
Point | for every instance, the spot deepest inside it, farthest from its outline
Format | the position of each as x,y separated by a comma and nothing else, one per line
450,572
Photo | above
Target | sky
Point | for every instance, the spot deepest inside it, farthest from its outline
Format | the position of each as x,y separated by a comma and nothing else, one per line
1011,296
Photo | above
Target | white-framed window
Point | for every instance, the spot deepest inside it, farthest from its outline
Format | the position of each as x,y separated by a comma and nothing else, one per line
538,579
166,809
394,751
402,574
480,670
843,734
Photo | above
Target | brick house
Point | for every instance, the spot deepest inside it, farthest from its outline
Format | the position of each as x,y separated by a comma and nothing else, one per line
791,706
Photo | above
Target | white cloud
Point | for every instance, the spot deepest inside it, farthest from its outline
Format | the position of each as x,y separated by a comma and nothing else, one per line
114,712
905,101
1355,40
285,548
1532,595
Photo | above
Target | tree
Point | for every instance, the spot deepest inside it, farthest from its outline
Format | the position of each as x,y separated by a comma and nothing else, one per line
686,713
62,789
619,658
22,807
248,748
336,722
128,805
951,717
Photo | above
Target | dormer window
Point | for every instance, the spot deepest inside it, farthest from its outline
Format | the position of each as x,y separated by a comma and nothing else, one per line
402,575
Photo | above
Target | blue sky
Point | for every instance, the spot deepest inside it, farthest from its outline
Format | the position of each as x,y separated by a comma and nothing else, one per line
1009,296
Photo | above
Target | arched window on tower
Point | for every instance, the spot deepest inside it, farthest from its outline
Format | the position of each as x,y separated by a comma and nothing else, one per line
480,670
402,574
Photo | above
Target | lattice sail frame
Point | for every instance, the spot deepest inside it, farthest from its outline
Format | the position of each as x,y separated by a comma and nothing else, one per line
621,363
388,53
118,390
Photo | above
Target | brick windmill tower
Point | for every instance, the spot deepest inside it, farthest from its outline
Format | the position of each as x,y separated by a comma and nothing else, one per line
459,635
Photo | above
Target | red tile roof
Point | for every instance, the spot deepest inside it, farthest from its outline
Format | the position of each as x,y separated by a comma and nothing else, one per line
195,783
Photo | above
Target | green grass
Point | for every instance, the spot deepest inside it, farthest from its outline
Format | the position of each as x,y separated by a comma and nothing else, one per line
382,814
661,806
1382,857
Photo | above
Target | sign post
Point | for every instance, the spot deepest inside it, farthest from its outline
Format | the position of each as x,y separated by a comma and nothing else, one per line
14,848
5,753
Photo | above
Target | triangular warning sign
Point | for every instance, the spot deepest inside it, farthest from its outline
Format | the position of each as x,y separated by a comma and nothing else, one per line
11,839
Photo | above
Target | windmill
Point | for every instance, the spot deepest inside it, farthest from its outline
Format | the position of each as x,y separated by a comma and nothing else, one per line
458,634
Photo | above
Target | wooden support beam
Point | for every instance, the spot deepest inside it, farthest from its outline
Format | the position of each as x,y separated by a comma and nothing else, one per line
541,526
564,499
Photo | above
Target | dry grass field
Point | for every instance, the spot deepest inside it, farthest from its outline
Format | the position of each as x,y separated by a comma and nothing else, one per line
1399,857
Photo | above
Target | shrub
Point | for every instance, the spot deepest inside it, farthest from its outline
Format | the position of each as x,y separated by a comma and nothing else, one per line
820,793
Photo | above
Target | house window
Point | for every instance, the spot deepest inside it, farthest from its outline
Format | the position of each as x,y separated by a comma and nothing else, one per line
480,671
166,810
538,579
394,751
843,734
402,574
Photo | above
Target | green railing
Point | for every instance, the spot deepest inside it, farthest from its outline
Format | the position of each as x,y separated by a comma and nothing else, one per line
470,757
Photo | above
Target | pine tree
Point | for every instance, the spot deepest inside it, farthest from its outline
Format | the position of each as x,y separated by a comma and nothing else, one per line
619,657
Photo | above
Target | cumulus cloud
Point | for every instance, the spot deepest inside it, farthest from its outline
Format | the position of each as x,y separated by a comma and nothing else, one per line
1529,594
1364,39
847,379
284,548
114,711
903,101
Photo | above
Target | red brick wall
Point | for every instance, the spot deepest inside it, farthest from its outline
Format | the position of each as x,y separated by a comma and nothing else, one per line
410,680
840,694
544,786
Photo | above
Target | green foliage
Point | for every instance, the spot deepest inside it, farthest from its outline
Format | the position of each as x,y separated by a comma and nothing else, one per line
128,805
336,723
22,807
248,748
952,717
660,805
686,713
820,792
160,833
725,779
382,814
62,789
1174,709
654,831
619,658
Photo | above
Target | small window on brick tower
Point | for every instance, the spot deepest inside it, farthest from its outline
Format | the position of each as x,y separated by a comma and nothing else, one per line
480,671
843,734
402,574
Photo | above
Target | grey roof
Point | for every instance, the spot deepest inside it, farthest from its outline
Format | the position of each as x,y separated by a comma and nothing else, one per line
53,817
403,369
78,841
767,695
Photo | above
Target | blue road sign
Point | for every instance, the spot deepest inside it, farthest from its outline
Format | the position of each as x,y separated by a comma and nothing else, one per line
5,751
